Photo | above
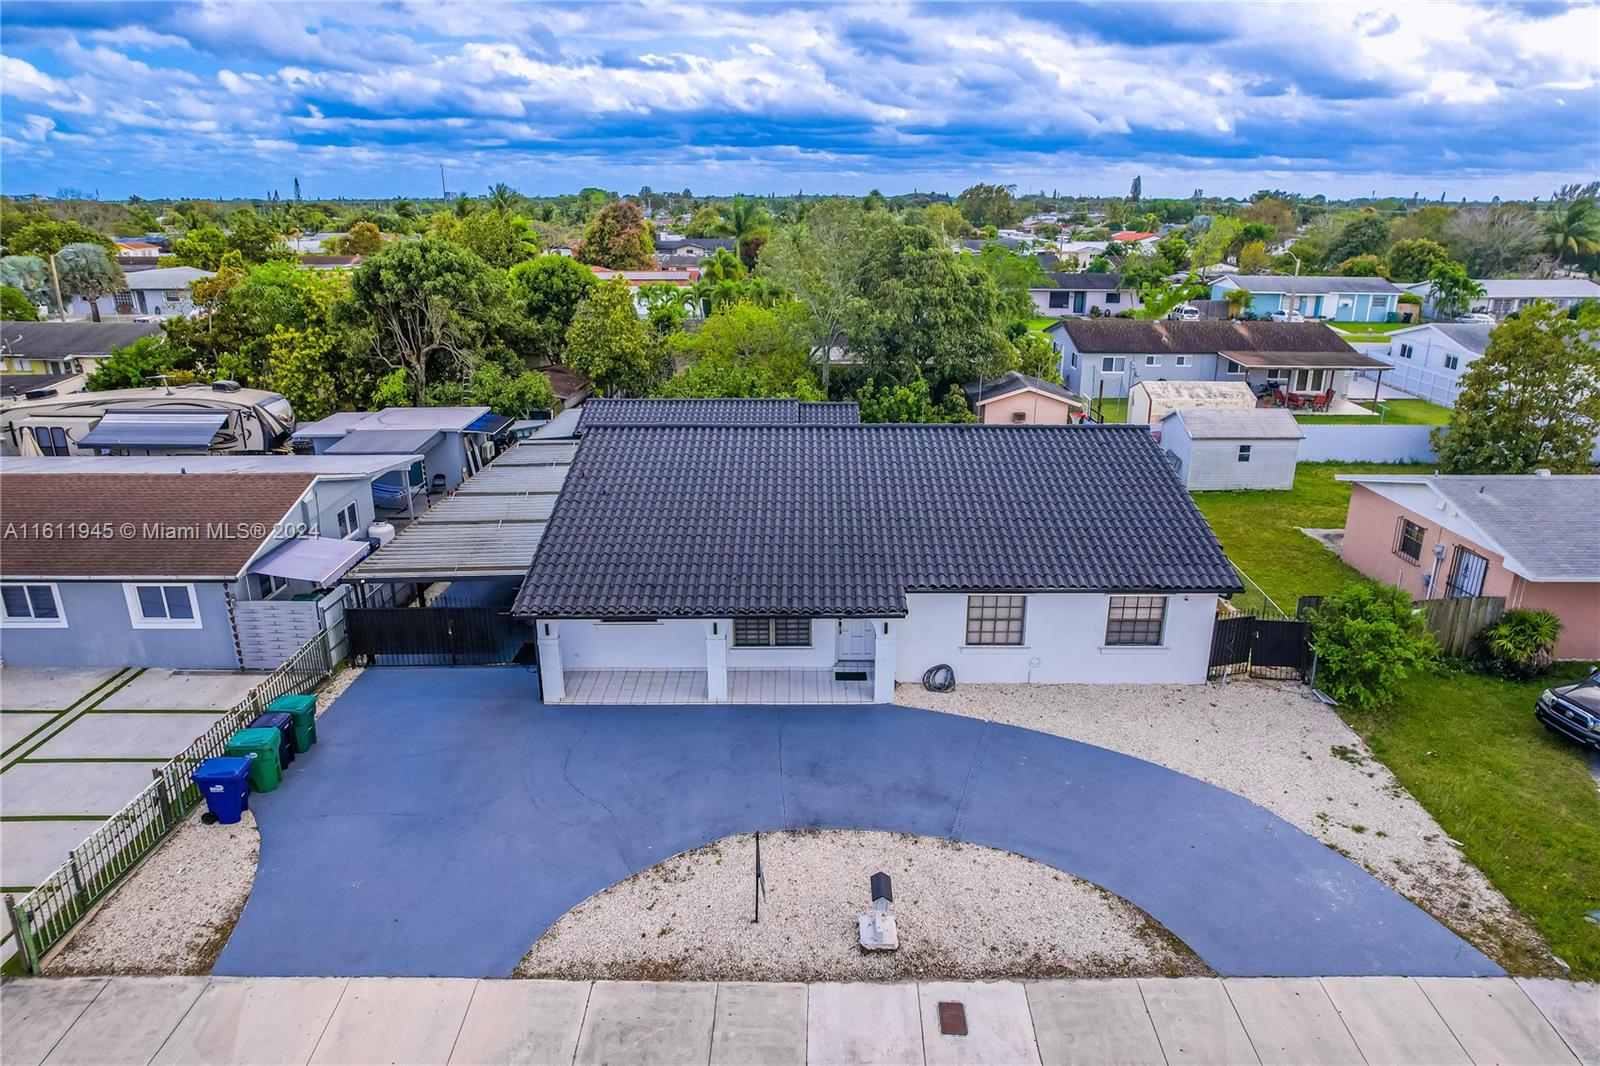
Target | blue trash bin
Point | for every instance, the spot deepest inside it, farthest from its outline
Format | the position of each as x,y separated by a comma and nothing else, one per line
225,783
283,722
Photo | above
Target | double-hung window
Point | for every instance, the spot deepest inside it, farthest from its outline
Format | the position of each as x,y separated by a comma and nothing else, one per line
1113,364
161,606
347,521
1182,360
995,619
1452,362
1406,351
1408,538
24,606
772,632
1244,453
1152,360
1135,621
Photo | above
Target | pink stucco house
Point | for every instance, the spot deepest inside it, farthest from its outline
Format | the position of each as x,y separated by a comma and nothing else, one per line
1532,538
1017,399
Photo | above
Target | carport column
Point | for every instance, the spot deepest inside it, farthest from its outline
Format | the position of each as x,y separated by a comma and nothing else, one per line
551,682
884,660
717,660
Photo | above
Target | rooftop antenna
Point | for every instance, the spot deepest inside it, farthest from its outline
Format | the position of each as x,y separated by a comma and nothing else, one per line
161,378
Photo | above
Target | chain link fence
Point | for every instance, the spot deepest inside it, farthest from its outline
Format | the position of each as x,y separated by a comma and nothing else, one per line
47,913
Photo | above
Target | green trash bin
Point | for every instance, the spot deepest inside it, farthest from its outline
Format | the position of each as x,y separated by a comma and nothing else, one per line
260,746
304,710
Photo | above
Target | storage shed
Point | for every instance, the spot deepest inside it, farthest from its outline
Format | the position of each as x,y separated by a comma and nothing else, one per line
1214,448
1149,401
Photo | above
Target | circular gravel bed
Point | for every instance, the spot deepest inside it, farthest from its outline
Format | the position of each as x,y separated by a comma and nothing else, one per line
963,912
1277,745
175,911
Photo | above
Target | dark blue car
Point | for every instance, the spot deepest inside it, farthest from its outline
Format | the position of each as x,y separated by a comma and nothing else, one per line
1573,710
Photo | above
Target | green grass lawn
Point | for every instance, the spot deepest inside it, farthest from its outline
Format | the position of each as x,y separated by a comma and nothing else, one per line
1370,327
1517,797
1112,408
1393,413
1039,325
1258,529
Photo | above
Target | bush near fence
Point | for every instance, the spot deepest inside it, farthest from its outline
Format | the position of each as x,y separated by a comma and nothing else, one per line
40,919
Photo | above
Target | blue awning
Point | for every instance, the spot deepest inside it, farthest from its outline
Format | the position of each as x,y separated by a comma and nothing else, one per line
132,429
490,423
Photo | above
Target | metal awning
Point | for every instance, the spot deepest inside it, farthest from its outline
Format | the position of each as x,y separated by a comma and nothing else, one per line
319,560
490,423
383,442
163,429
1307,360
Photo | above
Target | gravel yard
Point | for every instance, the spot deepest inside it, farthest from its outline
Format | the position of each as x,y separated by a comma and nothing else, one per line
175,911
962,912
1274,744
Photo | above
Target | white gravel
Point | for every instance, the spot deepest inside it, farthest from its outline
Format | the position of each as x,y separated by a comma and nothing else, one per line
1277,745
174,912
963,912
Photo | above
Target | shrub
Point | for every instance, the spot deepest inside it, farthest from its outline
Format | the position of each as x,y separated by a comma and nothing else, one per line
1368,637
1520,642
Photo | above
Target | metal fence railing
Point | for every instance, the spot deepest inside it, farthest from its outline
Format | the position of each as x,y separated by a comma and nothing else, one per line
48,912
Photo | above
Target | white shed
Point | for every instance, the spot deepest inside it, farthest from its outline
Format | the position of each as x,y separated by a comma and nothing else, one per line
1223,449
1149,401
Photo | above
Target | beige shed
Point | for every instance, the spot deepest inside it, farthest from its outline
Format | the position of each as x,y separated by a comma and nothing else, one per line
1149,401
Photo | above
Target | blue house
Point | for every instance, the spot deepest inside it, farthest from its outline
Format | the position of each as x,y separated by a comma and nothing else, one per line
1336,298
455,442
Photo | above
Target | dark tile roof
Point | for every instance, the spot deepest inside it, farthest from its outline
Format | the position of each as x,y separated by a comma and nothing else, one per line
697,521
248,508
1102,282
694,242
18,384
57,340
1013,381
716,412
1132,336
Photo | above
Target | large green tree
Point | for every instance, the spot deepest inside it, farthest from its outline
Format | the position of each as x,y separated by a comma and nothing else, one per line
499,239
202,247
1413,259
1366,234
45,237
743,220
1531,401
1452,288
988,205
85,270
608,343
15,305
546,292
746,350
618,237
514,394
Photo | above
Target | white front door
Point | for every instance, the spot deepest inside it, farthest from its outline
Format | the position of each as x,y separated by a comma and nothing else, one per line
855,639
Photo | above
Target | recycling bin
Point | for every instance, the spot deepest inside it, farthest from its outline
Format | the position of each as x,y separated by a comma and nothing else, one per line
261,747
304,710
224,781
284,724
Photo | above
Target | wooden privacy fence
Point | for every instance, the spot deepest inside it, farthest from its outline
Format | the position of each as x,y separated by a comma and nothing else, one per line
1456,621
47,913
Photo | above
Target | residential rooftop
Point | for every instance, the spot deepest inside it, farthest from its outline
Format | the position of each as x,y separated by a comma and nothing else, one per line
1013,382
1311,284
716,412
61,340
1235,423
1129,335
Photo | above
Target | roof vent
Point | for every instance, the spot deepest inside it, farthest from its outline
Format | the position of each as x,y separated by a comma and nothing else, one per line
38,394
224,385
1543,471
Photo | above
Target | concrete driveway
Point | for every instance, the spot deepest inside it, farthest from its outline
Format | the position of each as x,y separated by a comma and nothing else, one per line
447,819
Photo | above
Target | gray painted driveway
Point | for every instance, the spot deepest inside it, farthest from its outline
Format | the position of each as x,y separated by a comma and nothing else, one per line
447,819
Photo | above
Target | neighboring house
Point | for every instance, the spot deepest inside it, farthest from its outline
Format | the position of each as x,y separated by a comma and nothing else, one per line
455,442
973,247
1429,359
1338,298
162,293
183,419
312,242
693,247
330,262
1149,401
1502,296
636,279
138,251
1012,554
189,571
1017,399
1139,238
1084,294
1212,448
65,347
1528,537
1114,354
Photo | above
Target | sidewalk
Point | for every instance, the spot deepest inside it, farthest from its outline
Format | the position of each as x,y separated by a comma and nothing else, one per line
224,1020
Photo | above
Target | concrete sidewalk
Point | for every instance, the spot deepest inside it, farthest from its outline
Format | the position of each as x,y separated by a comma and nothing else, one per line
221,1020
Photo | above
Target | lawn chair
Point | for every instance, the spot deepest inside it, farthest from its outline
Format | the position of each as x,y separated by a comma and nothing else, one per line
1279,398
1296,401
1322,400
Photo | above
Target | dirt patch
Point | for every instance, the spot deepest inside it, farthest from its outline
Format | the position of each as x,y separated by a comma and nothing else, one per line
1278,746
963,912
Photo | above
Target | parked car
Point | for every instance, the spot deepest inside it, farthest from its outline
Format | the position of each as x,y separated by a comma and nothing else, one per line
1185,313
1573,710
1287,316
1477,317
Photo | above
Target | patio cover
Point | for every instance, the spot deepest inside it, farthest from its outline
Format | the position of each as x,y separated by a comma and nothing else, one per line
384,442
1307,360
319,560
126,429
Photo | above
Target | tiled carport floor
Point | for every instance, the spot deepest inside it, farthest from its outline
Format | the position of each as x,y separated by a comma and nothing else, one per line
689,686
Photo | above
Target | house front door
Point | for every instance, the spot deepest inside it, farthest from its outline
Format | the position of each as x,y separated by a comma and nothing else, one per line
855,640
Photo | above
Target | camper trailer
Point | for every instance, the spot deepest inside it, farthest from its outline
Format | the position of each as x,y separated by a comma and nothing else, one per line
164,420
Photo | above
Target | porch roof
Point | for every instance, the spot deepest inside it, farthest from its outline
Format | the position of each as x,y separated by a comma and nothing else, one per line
319,560
1351,360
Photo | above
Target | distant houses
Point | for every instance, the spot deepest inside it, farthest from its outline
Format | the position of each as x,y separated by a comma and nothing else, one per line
1080,294
1338,298
1504,296
1429,359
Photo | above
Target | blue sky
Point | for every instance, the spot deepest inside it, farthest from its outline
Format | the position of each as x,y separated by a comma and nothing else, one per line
232,99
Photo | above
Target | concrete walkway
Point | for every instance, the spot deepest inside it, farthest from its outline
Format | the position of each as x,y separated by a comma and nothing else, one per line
224,1021
445,820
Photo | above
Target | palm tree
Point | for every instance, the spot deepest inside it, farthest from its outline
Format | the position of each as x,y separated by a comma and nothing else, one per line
1572,226
742,220
503,198
1452,288
1238,300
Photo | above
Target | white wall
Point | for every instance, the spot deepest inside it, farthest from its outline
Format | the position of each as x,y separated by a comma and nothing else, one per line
671,644
1214,464
1329,442
1063,642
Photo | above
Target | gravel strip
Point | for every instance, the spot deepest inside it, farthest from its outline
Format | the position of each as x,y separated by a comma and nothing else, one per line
174,912
962,912
1277,745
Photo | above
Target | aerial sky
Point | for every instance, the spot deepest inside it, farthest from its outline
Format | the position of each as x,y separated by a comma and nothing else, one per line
222,99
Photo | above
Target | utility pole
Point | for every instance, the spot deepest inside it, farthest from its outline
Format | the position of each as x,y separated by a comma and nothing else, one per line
444,194
55,282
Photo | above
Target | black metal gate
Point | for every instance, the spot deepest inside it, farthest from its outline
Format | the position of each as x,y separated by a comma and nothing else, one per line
1260,647
438,636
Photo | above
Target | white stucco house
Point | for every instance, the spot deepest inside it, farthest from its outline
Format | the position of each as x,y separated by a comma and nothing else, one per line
1042,554
162,292
1078,295
1502,296
1429,359
1218,448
